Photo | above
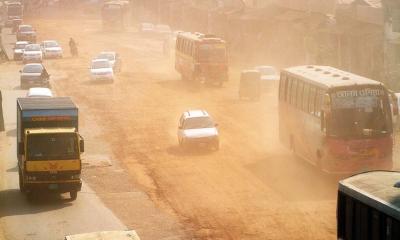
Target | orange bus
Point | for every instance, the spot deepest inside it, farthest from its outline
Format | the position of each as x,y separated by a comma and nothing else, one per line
336,120
201,57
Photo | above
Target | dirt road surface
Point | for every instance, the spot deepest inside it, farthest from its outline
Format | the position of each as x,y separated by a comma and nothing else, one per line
252,188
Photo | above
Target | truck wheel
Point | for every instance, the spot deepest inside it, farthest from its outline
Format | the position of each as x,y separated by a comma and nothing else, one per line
21,181
73,195
30,196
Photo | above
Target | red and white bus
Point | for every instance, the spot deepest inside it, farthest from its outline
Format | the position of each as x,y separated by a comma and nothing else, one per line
336,120
201,57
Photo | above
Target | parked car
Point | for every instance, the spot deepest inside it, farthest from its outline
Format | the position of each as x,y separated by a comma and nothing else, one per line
101,69
249,86
19,49
34,75
39,92
32,53
114,59
26,33
269,75
51,49
196,128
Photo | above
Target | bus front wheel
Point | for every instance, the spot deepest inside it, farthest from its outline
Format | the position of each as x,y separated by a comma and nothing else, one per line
73,195
21,181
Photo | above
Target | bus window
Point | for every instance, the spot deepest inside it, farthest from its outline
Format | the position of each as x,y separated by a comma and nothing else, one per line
178,44
305,96
349,218
318,102
311,100
294,92
299,100
282,88
289,88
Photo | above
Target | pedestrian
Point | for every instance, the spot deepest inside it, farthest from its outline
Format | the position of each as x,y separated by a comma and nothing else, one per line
1,114
73,47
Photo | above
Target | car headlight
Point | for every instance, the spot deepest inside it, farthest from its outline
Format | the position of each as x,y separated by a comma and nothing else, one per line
76,176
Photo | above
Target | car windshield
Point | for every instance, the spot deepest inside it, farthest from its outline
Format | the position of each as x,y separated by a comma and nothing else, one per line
267,70
212,53
26,29
198,122
52,146
359,112
101,64
163,28
20,45
32,69
32,47
109,56
51,44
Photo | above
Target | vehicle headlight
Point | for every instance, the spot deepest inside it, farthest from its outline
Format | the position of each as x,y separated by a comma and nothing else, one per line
30,178
76,176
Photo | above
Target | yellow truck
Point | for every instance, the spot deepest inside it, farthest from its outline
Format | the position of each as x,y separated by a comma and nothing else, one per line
49,146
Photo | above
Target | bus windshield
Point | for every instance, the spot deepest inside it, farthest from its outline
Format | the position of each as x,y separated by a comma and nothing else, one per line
359,112
209,52
53,146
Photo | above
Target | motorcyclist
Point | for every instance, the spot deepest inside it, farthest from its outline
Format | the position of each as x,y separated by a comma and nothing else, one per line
73,47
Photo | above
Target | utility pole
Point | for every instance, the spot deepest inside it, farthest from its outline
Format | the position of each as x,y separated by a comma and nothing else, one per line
391,11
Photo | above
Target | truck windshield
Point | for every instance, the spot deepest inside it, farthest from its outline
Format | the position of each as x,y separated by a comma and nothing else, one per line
14,11
211,52
359,112
59,146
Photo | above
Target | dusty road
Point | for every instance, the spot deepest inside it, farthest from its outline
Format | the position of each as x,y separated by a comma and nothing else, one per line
252,188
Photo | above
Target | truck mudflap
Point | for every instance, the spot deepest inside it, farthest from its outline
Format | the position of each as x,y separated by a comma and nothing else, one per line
57,187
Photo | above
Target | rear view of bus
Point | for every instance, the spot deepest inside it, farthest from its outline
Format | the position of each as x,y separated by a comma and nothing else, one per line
201,57
369,207
344,121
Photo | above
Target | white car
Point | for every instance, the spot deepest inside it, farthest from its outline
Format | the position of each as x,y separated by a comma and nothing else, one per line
163,29
196,128
101,69
146,28
32,54
39,92
19,49
114,59
268,73
51,49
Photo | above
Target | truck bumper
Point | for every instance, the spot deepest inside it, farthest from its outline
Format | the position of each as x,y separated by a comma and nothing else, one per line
59,187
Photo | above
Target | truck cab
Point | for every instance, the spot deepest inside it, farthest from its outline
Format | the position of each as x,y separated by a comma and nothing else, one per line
49,146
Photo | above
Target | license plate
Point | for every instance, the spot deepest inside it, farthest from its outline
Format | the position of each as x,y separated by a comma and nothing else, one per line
53,186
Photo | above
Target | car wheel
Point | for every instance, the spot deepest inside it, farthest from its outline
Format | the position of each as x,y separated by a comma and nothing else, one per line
216,146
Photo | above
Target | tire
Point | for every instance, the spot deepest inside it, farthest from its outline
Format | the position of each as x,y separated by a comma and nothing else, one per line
216,146
21,181
30,196
73,195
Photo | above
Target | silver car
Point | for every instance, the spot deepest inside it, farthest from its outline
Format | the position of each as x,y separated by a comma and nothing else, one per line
196,128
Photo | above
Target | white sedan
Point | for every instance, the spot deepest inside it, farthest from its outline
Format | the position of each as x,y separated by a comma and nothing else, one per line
39,92
268,73
101,69
32,53
51,49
